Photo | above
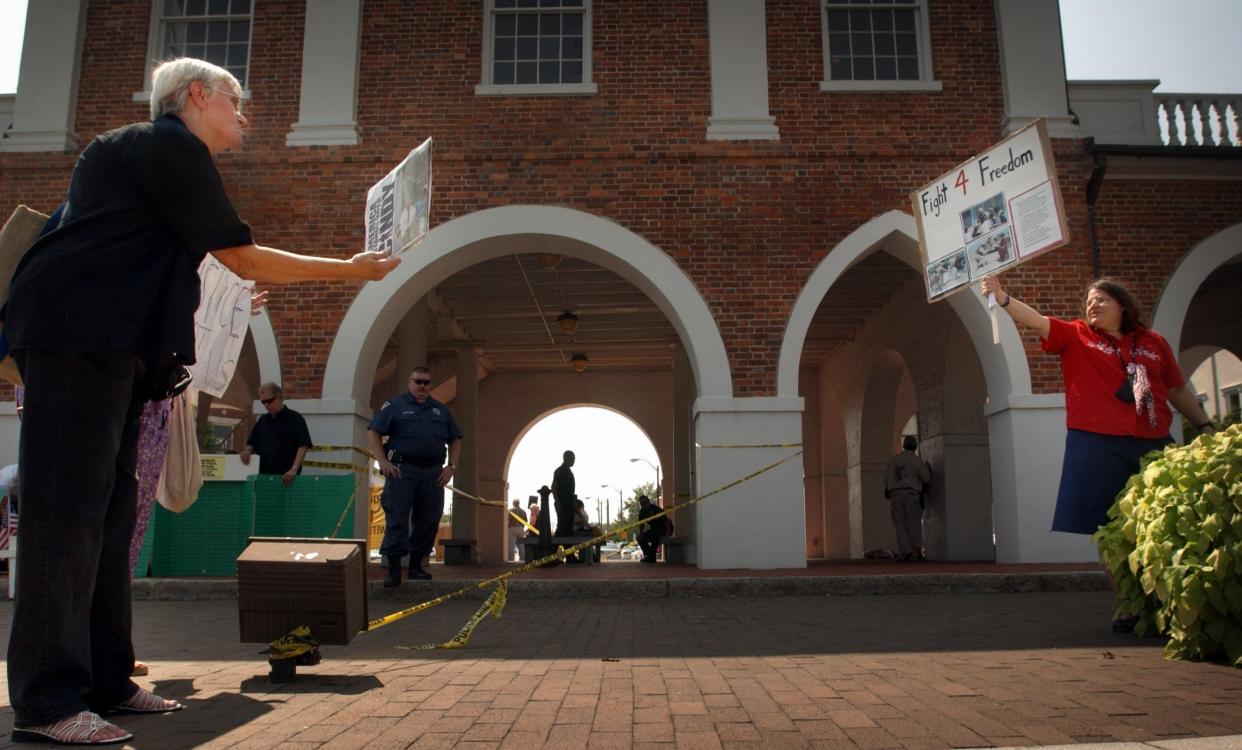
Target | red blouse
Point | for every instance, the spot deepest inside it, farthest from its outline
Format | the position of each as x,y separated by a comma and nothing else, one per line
1094,367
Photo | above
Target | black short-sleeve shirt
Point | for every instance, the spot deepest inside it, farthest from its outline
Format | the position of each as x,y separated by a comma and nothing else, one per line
276,440
421,432
145,205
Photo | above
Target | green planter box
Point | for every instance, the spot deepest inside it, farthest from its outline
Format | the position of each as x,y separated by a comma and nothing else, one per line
206,539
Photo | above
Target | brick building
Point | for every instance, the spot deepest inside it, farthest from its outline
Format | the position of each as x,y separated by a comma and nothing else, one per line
716,191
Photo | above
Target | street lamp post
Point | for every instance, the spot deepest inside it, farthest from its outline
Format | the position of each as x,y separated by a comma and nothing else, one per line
608,501
659,490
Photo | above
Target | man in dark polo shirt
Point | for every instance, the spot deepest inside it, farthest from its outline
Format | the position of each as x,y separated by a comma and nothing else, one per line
419,429
280,437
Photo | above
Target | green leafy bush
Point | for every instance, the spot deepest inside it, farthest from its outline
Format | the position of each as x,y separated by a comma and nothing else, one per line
1173,545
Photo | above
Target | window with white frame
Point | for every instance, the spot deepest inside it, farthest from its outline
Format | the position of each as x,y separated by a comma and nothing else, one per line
537,46
217,31
1232,398
879,45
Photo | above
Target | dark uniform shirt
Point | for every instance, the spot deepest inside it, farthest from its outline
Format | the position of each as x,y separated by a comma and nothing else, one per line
145,205
658,525
420,433
276,439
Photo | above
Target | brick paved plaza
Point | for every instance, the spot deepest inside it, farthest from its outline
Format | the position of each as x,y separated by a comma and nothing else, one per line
903,671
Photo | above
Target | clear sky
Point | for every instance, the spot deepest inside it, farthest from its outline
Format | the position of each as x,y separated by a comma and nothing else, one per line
1191,46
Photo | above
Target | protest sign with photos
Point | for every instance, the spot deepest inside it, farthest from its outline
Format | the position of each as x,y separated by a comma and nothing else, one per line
399,206
991,213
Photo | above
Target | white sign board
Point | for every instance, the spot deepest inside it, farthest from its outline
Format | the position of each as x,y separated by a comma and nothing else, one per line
399,206
220,324
1001,208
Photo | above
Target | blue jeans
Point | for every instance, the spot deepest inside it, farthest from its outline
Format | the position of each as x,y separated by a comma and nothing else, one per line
70,647
413,504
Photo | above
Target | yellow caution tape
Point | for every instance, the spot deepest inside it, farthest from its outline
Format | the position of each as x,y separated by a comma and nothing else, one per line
328,448
476,499
340,521
530,529
494,605
294,643
564,552
756,445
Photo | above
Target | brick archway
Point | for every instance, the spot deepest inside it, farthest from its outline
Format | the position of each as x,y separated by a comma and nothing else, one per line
1004,366
493,232
1174,303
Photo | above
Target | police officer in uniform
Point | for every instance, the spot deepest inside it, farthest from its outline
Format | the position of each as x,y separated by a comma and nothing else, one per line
418,428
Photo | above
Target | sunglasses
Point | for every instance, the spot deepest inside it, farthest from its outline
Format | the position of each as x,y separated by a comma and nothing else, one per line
266,401
421,381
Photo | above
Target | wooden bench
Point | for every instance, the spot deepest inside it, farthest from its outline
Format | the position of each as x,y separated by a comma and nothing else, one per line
674,549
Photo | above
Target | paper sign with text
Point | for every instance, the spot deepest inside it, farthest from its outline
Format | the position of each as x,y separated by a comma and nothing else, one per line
993,212
220,324
399,206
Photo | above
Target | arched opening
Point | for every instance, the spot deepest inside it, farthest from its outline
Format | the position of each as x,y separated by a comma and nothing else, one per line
877,360
1197,309
482,305
888,404
606,443
1215,375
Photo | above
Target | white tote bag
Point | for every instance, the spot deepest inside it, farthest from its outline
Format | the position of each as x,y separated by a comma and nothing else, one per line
183,471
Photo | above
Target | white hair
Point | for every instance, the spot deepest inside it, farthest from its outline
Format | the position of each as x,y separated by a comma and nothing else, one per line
170,83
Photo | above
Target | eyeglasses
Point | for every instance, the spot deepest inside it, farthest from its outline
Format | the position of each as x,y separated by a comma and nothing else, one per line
266,401
421,381
235,98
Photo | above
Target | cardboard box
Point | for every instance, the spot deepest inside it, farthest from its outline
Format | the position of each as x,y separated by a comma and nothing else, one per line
286,582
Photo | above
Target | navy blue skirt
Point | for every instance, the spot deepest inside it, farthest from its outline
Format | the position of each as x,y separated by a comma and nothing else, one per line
1095,469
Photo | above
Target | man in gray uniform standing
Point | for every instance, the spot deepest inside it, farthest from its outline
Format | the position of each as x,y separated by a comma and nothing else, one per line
904,480
419,429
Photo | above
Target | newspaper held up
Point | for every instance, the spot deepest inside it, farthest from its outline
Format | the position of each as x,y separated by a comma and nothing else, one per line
399,206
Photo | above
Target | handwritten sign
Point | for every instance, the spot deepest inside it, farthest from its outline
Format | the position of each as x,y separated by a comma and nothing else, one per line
220,325
999,209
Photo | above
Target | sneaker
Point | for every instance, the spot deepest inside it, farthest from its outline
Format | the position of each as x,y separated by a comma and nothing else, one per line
418,574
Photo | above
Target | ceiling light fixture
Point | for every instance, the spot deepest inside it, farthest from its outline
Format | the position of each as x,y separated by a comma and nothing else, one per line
548,261
579,362
567,321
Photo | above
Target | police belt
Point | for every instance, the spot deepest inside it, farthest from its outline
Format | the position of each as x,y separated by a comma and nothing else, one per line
423,463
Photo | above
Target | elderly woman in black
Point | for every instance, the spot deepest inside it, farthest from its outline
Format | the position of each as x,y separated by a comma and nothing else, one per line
99,320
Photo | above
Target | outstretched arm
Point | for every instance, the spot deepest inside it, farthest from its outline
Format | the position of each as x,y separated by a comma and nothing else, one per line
1183,399
1022,313
272,266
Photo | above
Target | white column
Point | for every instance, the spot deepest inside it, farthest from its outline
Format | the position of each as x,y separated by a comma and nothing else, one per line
327,110
681,477
412,342
1027,443
760,523
47,89
1033,66
466,414
737,32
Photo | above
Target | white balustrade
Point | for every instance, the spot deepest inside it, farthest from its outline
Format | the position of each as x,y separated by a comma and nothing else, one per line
1198,119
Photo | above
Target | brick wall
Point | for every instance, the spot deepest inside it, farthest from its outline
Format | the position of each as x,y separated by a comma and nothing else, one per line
747,221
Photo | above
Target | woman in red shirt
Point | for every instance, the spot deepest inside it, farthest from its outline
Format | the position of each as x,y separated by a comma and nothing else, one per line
1120,378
